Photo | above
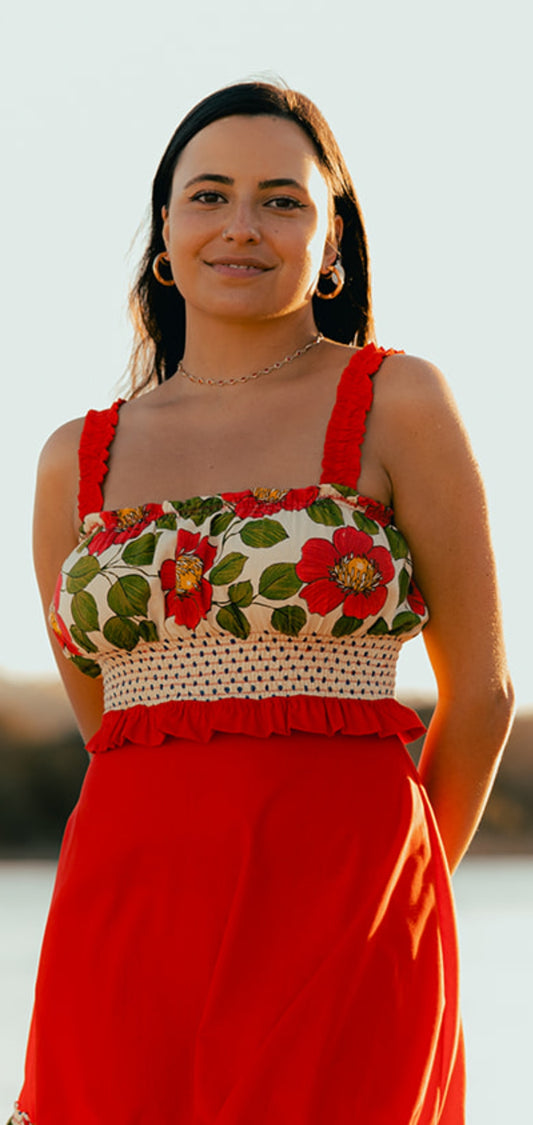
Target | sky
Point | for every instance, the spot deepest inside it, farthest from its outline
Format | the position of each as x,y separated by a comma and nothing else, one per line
431,105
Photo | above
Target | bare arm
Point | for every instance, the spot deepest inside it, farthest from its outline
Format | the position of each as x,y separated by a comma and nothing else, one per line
440,506
54,536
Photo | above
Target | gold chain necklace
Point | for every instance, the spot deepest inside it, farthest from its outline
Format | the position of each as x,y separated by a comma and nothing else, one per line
180,370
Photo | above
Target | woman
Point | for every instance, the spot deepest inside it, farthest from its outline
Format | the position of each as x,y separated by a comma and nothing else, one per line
252,918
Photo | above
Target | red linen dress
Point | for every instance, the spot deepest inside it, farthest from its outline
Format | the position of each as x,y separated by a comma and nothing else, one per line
252,921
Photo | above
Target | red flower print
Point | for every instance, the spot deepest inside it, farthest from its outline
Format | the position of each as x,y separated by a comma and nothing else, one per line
350,570
375,510
123,524
263,501
415,600
189,595
58,625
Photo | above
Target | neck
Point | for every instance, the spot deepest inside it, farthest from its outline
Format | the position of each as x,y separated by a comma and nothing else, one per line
222,350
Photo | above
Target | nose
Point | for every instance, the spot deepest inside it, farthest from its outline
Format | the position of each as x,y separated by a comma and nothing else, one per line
241,225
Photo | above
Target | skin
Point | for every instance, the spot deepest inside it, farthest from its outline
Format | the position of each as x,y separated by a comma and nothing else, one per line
183,439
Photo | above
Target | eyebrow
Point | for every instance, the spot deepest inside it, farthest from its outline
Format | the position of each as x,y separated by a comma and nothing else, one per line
216,178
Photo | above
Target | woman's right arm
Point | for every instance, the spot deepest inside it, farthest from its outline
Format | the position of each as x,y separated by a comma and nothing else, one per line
55,526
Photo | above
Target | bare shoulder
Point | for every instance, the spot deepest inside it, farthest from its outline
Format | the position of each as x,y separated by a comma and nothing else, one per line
58,477
413,402
426,451
61,448
410,381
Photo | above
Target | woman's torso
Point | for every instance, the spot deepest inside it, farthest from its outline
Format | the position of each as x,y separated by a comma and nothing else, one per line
179,595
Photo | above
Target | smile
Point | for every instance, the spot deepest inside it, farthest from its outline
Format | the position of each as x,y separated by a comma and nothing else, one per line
248,267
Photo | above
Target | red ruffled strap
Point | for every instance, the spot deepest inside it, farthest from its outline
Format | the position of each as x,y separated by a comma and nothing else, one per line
259,718
95,442
341,463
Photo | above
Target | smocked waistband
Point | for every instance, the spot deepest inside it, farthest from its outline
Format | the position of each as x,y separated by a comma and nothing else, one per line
212,668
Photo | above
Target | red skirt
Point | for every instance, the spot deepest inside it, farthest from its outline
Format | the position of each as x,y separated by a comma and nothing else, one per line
249,932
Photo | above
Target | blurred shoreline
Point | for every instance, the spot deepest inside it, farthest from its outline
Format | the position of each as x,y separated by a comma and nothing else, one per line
43,762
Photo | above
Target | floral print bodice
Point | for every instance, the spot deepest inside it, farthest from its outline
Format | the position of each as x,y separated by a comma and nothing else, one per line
318,560
292,567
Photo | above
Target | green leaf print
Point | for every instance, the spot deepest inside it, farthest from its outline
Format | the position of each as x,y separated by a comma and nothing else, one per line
344,626
289,619
378,628
227,569
405,621
121,632
363,523
85,611
209,506
263,533
279,581
82,573
166,522
221,522
88,667
345,489
82,639
242,593
404,580
232,619
198,508
129,596
141,551
148,631
397,543
325,511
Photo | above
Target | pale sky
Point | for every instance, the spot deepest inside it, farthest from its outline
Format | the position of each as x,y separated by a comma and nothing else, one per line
431,104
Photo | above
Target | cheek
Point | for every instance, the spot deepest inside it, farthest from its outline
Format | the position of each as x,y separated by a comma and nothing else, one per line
314,252
306,245
316,240
184,238
185,247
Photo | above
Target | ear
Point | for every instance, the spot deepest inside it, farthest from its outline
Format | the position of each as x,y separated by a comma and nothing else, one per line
331,249
165,231
339,227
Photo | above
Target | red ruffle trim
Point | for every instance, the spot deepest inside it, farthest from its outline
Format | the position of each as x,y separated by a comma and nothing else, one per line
259,718
97,434
341,463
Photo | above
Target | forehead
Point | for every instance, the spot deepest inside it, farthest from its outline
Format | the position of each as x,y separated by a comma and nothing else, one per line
258,147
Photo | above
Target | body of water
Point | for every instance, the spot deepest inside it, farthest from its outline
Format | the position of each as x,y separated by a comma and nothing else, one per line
495,914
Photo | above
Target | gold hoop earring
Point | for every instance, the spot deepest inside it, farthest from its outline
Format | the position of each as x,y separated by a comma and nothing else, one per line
336,275
162,257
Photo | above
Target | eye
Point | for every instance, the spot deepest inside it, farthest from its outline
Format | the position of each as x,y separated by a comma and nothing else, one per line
208,196
284,203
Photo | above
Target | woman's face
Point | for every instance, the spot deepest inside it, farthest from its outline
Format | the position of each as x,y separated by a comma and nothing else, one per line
248,222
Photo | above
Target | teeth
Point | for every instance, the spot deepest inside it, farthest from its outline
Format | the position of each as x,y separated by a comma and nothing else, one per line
242,266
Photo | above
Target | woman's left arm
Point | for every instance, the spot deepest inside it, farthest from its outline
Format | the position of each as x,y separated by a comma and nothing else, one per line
440,506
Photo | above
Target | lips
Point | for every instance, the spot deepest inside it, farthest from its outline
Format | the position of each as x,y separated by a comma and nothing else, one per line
239,265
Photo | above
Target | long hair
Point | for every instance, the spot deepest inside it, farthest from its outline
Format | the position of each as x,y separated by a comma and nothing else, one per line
158,312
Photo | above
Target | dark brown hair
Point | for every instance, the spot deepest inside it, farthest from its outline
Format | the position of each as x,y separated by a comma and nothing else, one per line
158,313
